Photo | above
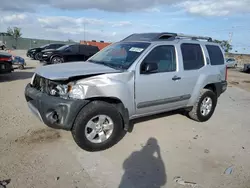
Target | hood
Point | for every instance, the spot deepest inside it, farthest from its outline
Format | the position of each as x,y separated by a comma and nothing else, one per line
49,50
65,71
33,49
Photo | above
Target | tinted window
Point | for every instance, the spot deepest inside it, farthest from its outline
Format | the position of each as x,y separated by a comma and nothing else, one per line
52,46
165,58
72,48
192,56
215,55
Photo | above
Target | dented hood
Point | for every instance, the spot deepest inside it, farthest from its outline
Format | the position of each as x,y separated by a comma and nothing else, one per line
65,71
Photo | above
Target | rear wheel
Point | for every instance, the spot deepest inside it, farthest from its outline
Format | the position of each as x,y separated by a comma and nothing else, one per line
98,126
21,67
204,106
56,60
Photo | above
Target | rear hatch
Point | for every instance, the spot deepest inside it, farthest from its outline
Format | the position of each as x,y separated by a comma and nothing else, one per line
5,62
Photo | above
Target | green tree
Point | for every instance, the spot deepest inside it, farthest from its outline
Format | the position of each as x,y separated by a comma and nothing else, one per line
225,45
15,32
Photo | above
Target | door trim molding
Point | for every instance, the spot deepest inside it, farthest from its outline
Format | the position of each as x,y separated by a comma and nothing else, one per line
163,101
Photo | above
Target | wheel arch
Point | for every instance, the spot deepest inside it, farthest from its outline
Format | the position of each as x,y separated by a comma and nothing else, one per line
119,105
55,55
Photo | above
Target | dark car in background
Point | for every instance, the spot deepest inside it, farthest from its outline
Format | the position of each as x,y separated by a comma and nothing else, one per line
5,63
35,53
67,53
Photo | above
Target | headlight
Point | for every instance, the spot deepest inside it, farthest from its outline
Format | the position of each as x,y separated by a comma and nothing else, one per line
69,91
77,91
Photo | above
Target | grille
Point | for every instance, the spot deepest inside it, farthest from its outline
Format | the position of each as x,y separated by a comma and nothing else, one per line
40,83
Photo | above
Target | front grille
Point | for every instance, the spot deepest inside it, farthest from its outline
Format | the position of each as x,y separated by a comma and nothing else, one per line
40,83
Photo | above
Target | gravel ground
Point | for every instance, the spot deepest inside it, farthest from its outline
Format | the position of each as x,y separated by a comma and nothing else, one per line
159,148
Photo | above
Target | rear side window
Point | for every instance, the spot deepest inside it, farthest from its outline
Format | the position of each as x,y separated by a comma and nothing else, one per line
193,58
215,55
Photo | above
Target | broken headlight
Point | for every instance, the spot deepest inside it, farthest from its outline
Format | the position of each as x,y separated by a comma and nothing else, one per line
73,91
77,91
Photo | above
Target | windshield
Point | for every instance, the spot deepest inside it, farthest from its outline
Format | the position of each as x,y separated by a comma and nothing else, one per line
63,47
120,55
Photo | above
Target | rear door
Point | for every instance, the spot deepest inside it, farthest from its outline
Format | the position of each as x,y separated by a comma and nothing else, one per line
193,60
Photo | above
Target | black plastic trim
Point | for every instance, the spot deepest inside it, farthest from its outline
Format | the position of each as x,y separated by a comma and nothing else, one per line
55,112
163,101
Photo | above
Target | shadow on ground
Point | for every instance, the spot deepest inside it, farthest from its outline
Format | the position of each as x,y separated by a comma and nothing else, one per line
144,168
20,75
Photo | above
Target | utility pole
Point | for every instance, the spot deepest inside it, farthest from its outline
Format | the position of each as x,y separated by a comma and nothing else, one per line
230,37
84,26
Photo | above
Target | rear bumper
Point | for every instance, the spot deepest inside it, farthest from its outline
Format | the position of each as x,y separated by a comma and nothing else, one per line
55,112
6,67
221,87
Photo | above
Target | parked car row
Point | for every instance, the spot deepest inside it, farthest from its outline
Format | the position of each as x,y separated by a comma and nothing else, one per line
59,53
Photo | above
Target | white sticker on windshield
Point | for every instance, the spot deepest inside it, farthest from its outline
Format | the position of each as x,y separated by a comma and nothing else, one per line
134,49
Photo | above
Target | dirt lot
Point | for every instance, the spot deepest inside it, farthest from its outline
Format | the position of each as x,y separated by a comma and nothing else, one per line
32,155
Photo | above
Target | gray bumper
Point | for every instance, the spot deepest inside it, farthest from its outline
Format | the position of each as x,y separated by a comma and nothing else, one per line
55,112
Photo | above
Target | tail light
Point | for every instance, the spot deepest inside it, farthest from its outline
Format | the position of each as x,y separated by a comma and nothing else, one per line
5,58
226,73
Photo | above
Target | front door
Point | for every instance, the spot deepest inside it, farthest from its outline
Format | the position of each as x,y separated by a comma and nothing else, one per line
72,53
161,89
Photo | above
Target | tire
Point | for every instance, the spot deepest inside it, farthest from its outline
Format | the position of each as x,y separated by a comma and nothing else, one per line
80,128
36,57
21,67
196,112
56,60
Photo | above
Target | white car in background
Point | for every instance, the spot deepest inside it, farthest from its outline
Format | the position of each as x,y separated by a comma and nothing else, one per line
231,62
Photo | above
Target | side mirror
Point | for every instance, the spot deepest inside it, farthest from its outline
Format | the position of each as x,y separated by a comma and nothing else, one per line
148,68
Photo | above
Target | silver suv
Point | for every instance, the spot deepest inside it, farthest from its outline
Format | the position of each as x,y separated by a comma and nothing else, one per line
142,75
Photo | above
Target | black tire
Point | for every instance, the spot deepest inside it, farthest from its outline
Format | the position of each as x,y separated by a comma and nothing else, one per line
21,67
36,57
93,109
56,60
196,114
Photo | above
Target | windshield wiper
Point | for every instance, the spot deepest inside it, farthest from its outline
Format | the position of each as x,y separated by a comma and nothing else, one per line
111,65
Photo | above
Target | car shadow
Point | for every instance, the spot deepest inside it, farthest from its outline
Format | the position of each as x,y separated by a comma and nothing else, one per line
156,116
19,75
144,168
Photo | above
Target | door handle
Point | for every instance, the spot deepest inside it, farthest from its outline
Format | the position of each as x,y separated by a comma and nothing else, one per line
176,78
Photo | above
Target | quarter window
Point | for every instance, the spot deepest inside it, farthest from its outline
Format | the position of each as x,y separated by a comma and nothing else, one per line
215,55
193,58
164,56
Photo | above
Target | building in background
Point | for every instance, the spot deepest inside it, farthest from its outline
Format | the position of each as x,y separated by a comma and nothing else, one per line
100,44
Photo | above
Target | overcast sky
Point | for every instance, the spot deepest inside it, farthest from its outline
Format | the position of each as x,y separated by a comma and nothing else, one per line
112,20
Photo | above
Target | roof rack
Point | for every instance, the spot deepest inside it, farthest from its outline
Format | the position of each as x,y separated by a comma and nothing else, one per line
163,36
193,37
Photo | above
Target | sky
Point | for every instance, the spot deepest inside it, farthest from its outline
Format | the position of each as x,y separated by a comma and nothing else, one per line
113,20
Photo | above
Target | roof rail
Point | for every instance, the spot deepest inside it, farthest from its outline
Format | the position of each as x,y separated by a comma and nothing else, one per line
162,36
193,37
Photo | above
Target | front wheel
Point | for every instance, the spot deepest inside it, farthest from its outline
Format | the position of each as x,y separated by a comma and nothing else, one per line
204,107
98,126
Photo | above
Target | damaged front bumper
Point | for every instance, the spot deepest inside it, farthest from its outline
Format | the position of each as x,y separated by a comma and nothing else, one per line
55,112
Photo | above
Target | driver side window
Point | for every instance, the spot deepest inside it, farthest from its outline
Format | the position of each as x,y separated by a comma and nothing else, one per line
163,57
